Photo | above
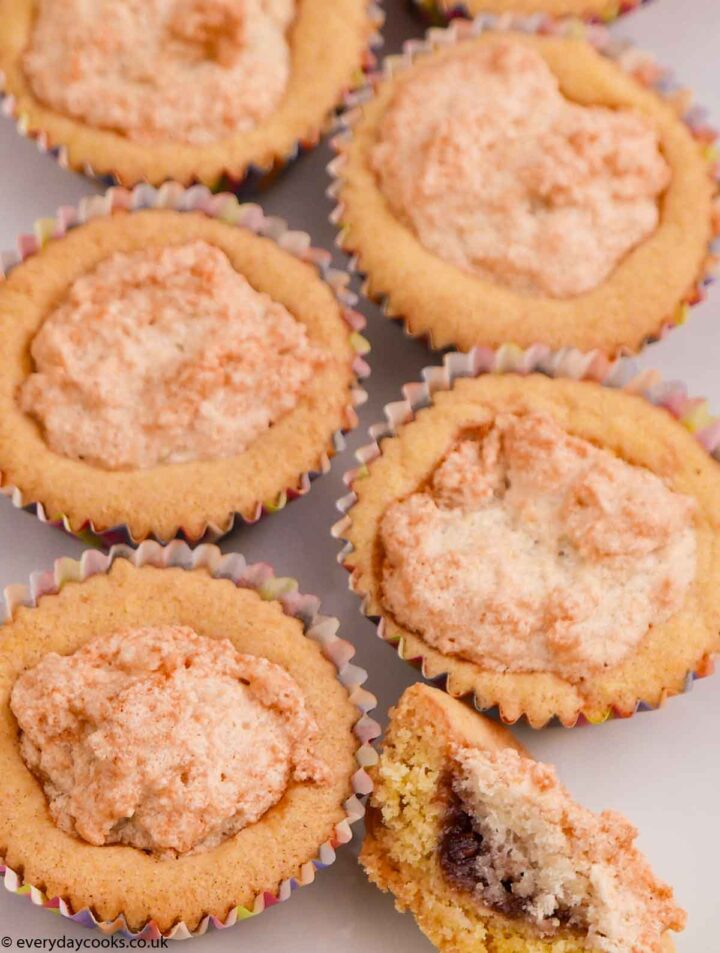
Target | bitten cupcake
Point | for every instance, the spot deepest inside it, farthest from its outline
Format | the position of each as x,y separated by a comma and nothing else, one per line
167,367
491,853
180,739
593,10
548,546
502,186
189,90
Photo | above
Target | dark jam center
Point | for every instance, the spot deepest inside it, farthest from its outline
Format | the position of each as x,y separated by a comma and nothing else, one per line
461,844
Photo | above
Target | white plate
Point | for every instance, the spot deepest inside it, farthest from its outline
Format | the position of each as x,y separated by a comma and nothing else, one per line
661,769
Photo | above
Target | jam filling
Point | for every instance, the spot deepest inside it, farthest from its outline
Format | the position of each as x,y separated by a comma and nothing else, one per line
460,849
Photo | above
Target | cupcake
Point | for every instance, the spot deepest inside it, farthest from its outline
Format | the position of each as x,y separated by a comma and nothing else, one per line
546,545
170,360
506,186
182,741
489,851
190,90
441,11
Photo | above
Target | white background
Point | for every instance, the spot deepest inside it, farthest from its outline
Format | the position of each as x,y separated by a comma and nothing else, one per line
661,769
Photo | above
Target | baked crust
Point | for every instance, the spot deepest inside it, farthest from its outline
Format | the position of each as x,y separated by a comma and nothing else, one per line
437,723
161,500
642,294
328,43
622,423
112,880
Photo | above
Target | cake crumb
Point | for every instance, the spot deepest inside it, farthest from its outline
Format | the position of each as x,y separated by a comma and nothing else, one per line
496,172
162,356
186,71
555,863
534,550
163,739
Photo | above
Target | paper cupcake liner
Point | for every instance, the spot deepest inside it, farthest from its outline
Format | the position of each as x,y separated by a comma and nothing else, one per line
226,208
621,374
319,628
639,64
434,14
254,177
